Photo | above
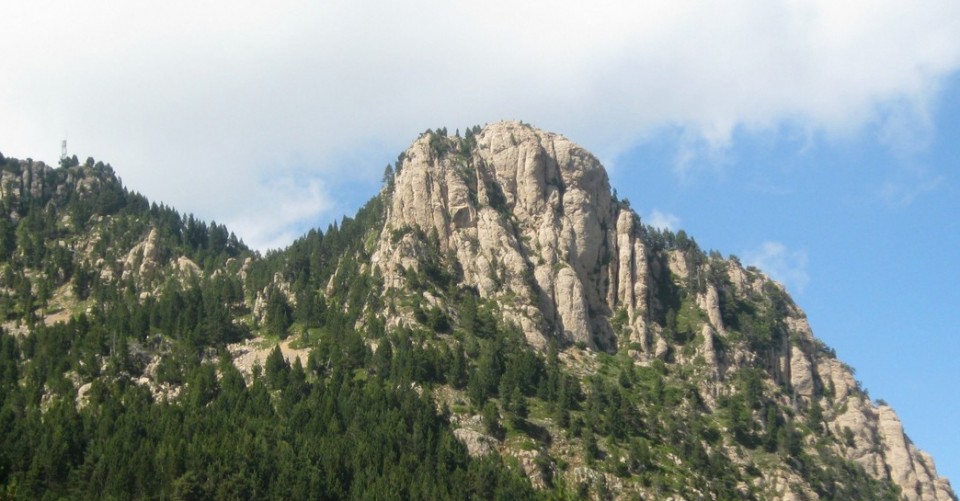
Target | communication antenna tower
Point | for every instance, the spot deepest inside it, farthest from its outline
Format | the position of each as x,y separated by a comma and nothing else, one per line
63,150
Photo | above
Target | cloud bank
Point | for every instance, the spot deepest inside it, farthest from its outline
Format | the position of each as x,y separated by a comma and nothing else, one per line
204,105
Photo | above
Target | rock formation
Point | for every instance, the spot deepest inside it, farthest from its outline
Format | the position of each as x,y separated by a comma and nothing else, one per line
528,218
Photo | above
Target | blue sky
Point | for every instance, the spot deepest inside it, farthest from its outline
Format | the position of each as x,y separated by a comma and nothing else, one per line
817,139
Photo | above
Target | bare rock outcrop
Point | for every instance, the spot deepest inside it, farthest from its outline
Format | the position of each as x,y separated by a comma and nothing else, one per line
873,437
26,182
477,443
801,374
530,219
141,260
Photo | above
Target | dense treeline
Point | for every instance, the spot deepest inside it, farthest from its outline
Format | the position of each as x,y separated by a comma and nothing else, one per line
311,260
291,433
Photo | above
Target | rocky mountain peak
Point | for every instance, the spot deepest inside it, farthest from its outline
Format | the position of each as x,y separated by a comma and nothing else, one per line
526,214
526,219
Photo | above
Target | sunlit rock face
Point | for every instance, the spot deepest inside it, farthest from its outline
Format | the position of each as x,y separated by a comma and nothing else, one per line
528,219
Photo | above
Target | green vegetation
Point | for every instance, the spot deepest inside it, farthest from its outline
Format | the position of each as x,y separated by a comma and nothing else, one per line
290,433
131,392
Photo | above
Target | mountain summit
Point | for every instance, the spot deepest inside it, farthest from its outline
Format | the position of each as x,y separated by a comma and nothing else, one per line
527,219
494,323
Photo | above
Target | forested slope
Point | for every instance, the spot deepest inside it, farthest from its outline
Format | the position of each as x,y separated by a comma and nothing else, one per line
494,323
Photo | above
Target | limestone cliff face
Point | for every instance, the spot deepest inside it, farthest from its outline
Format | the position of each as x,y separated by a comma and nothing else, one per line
527,219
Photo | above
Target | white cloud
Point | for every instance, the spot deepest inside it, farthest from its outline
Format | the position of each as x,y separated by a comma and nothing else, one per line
663,220
902,193
196,103
290,202
787,266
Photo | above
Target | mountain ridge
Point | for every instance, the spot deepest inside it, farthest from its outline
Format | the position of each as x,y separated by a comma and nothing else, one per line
702,378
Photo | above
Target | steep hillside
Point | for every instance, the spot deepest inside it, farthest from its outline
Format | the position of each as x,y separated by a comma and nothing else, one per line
73,234
117,377
525,219
494,323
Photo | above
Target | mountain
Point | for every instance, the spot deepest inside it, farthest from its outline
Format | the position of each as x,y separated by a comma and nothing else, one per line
529,219
493,323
